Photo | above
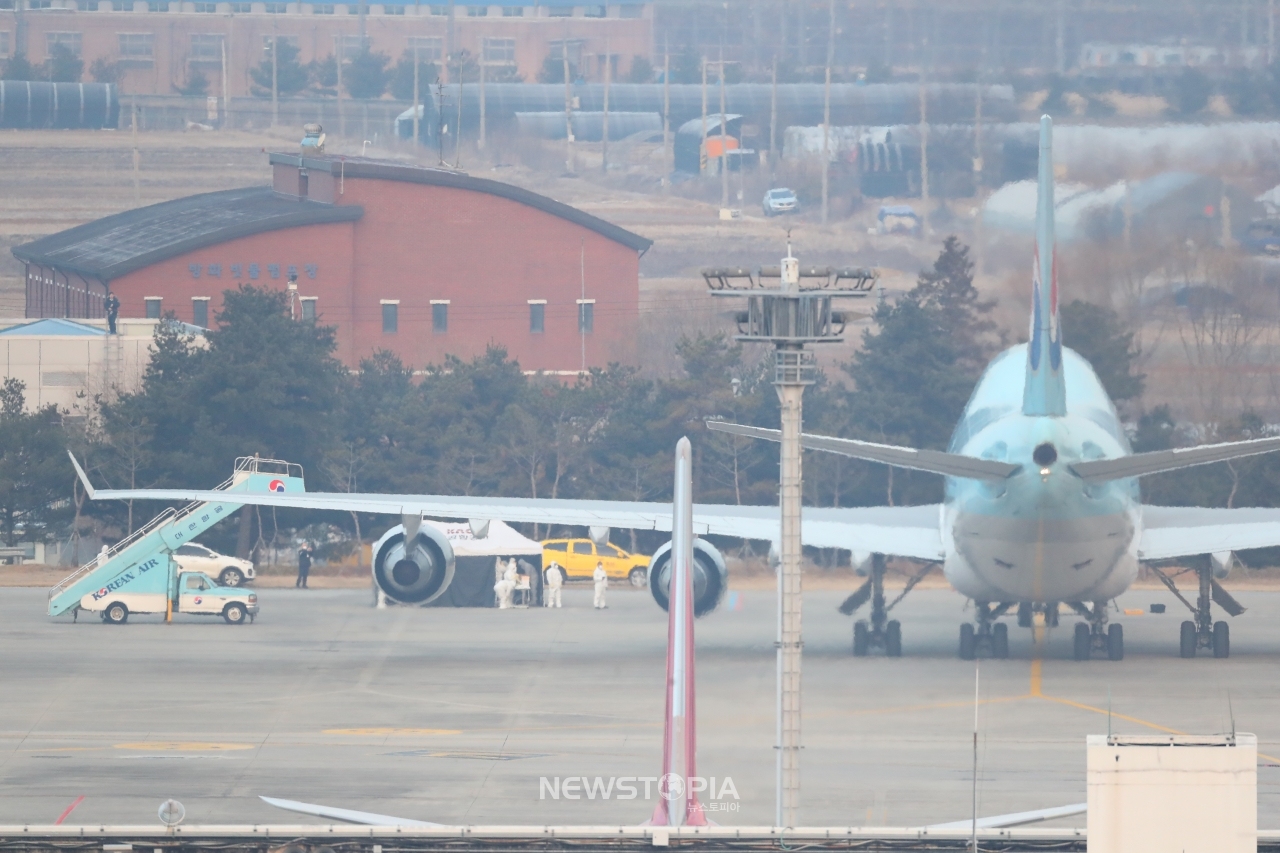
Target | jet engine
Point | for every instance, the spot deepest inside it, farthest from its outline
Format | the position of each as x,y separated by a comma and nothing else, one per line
414,572
710,577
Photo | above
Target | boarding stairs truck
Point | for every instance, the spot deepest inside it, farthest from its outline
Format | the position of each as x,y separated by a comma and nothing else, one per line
139,574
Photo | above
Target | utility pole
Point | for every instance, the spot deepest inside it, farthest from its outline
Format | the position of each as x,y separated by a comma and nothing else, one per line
980,233
702,143
809,320
924,150
457,130
226,97
137,156
604,130
448,40
275,82
337,51
568,108
481,143
724,142
773,122
667,166
416,99
826,111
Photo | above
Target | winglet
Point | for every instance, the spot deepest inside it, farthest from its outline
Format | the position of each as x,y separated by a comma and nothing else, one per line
84,478
1045,392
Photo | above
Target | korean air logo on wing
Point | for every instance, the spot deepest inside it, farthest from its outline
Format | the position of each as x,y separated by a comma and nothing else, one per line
276,486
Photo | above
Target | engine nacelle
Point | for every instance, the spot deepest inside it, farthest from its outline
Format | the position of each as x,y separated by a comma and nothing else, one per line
710,577
1222,562
417,573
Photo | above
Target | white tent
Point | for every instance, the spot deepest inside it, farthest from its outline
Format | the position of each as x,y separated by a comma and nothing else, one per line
502,540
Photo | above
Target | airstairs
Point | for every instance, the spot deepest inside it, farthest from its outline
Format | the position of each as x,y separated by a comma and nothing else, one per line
152,545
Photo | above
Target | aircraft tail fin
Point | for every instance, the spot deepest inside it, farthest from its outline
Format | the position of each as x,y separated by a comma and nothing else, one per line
1045,392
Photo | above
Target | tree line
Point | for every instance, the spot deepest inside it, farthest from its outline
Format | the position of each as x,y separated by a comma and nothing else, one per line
262,383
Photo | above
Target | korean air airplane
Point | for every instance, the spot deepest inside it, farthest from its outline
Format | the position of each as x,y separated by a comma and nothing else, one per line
1042,507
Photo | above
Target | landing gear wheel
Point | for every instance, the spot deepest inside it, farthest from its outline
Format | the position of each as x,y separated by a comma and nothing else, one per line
1025,614
861,638
1221,640
968,642
1187,644
231,576
893,639
234,613
639,577
1000,641
1115,642
1083,642
116,613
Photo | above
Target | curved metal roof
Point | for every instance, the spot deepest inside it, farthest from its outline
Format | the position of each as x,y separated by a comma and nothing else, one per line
358,167
110,247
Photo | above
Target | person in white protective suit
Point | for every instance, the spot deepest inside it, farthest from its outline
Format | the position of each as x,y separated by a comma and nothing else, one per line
601,577
555,579
507,586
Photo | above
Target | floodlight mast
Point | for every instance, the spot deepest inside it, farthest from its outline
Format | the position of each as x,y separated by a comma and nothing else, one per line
791,316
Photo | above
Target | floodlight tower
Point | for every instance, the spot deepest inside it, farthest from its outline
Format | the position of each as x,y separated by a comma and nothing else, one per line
791,314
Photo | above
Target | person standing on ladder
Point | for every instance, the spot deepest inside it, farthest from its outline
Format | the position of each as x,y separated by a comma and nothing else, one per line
601,578
112,307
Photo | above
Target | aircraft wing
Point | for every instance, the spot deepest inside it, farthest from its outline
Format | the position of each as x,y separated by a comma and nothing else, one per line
1183,531
1016,819
896,531
347,815
1141,464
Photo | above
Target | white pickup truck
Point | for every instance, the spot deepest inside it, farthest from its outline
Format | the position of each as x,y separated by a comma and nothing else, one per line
142,589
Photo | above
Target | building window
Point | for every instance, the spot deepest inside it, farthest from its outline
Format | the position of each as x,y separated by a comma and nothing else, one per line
206,47
4,44
557,49
390,316
153,307
439,316
477,11
241,8
154,6
440,11
350,47
121,5
513,11
430,48
537,316
38,4
393,10
594,11
500,51
71,41
322,8
136,45
277,8
309,308
200,311
586,316
560,11
206,8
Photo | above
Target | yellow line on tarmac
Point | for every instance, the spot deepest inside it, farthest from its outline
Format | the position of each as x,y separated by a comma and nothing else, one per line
1036,668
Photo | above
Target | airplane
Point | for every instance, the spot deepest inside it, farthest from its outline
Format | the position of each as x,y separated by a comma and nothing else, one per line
1041,506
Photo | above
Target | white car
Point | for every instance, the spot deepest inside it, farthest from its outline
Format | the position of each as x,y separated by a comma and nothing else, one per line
230,571
780,200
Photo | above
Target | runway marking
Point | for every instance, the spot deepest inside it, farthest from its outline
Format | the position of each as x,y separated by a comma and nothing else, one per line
392,731
183,746
1036,677
1104,711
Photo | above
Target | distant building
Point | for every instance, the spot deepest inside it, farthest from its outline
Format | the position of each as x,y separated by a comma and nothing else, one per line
423,262
161,47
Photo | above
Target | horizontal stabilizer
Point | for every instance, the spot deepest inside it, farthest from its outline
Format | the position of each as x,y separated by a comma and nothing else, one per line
1141,464
933,461
346,815
1016,819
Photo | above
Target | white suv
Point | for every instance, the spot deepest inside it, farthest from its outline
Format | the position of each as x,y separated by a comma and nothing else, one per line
230,571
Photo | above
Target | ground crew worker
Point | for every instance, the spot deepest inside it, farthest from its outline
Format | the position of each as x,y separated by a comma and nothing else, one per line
601,577
304,566
112,307
555,579
507,586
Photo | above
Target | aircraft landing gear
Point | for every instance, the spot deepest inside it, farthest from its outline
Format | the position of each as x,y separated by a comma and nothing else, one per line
1096,634
879,632
1203,632
1027,614
989,638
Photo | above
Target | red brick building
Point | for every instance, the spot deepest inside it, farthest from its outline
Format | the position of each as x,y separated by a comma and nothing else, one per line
159,46
423,262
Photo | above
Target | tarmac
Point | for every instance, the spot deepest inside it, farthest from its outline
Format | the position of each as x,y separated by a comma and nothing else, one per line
457,716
